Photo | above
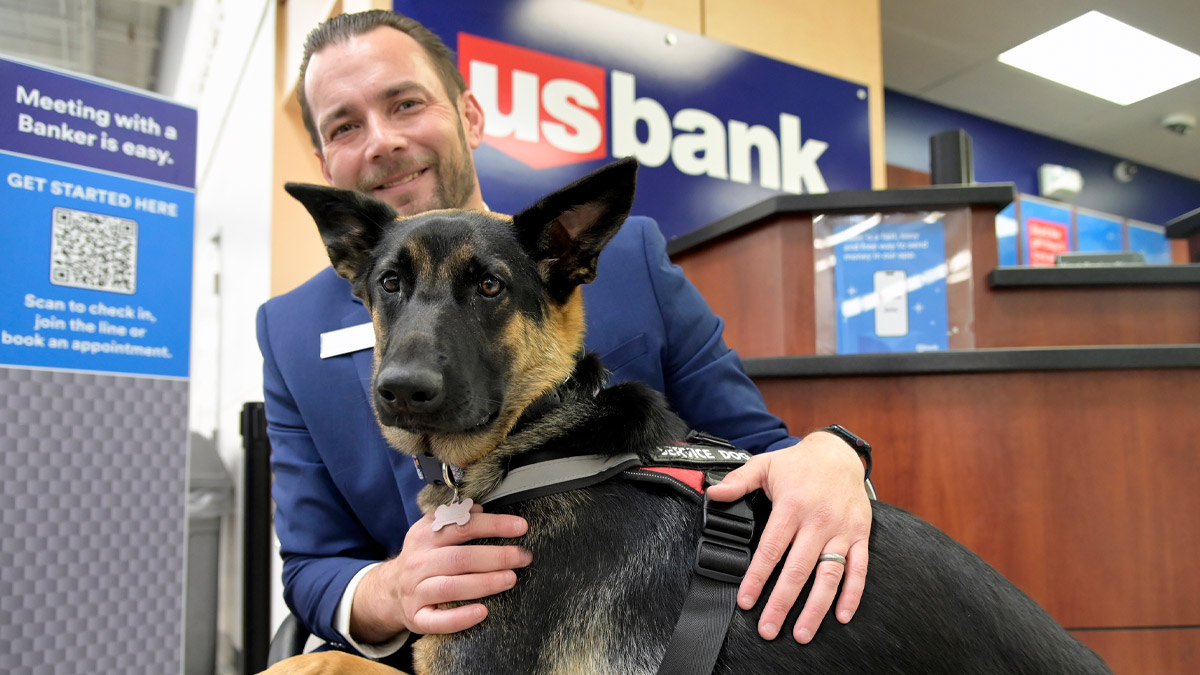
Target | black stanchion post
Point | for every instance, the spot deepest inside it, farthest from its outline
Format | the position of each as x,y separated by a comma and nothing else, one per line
256,542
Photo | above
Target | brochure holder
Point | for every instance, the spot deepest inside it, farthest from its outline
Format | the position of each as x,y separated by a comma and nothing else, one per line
896,281
849,272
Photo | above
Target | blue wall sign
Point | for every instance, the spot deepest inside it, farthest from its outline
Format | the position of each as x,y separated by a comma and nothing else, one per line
1151,241
1098,233
567,86
96,270
1045,231
1006,235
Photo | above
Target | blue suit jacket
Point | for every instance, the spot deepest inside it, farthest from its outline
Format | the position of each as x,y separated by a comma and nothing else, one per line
345,499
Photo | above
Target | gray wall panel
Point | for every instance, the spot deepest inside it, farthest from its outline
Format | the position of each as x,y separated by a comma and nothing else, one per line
93,484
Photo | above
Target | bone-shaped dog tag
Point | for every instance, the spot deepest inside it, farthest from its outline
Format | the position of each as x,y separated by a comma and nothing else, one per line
454,513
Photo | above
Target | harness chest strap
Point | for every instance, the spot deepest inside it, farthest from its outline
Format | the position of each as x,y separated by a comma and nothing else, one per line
722,555
690,467
682,465
566,473
558,475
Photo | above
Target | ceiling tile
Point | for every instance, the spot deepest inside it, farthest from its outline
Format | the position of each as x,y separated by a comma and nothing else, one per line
924,38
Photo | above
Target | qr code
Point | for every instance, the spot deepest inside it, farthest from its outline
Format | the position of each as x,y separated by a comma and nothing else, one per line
91,250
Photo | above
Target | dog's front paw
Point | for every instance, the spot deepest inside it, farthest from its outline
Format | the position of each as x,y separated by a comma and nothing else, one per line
329,663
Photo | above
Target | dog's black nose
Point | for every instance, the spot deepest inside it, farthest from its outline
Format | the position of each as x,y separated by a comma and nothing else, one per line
410,389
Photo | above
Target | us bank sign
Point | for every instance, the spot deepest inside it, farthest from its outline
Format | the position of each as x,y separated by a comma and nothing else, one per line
567,86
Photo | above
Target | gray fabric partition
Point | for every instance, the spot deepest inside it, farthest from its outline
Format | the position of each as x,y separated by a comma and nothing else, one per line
93,487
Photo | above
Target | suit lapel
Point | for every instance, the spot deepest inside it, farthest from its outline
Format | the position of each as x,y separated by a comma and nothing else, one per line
357,314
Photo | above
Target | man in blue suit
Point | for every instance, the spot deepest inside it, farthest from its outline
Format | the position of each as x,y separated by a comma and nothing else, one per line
390,116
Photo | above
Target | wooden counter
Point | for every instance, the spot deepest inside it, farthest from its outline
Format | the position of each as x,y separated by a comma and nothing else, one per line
1063,449
1187,227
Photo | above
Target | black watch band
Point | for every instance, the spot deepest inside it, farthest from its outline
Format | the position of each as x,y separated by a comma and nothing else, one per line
860,446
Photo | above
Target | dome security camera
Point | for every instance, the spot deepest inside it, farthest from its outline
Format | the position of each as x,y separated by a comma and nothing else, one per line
1179,123
1124,171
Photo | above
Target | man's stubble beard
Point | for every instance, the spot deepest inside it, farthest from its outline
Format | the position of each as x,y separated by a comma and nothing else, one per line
459,181
455,186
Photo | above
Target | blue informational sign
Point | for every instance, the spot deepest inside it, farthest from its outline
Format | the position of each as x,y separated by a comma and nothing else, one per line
890,285
69,118
1045,231
1098,233
1006,236
96,270
567,86
1151,241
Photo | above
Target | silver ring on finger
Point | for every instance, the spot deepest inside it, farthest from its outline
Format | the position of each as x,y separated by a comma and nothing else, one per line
832,557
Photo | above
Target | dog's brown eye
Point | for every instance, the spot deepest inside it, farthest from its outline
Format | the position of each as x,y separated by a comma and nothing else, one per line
390,283
491,286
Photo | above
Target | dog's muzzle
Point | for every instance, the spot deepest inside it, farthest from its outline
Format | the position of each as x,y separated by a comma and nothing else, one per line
419,400
409,389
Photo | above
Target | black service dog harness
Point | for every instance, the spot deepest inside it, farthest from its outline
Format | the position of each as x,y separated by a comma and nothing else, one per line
689,467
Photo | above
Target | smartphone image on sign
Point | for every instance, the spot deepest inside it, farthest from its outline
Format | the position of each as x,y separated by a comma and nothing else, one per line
891,314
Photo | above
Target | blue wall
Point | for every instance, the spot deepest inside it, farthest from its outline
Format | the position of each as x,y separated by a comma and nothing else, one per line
1008,154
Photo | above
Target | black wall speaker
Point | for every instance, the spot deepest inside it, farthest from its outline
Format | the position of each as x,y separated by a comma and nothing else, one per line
950,158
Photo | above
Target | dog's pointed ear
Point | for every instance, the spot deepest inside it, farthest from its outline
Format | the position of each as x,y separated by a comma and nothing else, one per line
350,223
565,231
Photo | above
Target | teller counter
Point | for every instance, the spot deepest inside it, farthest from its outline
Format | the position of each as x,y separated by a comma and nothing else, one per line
1056,437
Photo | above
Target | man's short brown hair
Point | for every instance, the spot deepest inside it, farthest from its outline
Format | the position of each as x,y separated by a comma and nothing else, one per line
345,26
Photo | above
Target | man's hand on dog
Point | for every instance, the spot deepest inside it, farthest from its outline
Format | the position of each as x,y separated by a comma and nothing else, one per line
435,567
819,506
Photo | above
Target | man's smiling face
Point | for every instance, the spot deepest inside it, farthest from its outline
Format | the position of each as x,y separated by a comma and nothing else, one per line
388,127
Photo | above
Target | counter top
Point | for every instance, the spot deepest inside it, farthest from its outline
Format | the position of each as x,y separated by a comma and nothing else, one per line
998,195
1095,275
1184,226
977,361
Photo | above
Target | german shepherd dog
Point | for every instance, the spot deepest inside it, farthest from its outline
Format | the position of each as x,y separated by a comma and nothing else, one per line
477,316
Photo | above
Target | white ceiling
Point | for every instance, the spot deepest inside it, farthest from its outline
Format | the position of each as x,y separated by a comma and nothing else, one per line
942,51
945,51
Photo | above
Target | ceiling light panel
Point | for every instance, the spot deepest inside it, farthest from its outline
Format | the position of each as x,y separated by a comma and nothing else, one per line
1101,56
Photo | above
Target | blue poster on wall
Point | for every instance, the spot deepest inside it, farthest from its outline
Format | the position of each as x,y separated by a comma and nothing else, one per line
567,86
96,271
1006,236
1151,241
1045,230
890,285
1097,232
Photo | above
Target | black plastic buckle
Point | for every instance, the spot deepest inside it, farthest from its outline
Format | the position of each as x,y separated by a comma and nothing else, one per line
429,469
694,436
723,552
